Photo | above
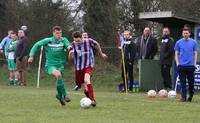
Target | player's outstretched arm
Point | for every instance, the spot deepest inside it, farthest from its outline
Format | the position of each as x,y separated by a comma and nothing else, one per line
36,46
98,47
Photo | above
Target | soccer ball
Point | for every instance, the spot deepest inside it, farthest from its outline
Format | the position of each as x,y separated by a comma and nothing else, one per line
172,94
163,93
151,94
85,102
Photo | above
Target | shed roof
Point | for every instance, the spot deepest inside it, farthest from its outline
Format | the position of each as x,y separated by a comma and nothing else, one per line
168,17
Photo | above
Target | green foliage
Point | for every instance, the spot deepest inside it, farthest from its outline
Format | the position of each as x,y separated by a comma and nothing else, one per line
38,15
100,20
105,76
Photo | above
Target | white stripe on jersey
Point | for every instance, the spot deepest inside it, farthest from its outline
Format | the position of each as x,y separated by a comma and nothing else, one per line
76,59
82,55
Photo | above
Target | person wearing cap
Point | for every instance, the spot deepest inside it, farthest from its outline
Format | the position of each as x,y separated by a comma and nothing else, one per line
21,56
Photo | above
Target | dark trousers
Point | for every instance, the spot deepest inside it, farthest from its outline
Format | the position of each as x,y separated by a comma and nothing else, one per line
165,72
129,74
186,73
22,69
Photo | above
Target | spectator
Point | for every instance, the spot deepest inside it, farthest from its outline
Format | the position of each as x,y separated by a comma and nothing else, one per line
186,60
166,57
21,55
129,56
13,79
146,45
5,43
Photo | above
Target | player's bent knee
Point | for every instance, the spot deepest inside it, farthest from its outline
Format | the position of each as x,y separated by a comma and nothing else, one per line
57,74
87,81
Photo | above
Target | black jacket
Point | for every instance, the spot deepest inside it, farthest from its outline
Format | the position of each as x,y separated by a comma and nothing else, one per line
151,48
129,50
166,51
22,48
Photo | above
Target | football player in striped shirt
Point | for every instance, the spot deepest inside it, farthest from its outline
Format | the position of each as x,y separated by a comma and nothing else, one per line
81,51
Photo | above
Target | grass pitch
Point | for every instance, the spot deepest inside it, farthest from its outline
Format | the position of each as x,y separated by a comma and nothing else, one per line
32,105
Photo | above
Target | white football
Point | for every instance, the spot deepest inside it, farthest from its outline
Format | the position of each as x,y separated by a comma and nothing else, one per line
172,94
163,93
85,102
151,94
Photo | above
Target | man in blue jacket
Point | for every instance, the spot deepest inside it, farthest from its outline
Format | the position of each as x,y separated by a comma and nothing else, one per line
5,43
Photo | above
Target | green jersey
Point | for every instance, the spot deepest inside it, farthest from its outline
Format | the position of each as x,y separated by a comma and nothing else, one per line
11,49
55,50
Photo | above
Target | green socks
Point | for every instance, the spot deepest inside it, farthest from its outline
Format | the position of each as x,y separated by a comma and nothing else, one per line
61,88
16,81
11,82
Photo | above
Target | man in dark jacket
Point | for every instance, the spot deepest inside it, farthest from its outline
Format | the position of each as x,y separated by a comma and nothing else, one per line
146,45
166,57
129,57
21,55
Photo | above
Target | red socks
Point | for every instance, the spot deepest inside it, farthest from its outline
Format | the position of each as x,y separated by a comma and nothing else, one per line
90,92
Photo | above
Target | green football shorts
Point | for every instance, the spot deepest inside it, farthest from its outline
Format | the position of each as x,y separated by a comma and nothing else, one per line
50,69
11,65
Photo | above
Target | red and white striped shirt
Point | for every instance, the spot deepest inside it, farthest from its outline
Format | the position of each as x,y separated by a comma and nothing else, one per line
83,54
